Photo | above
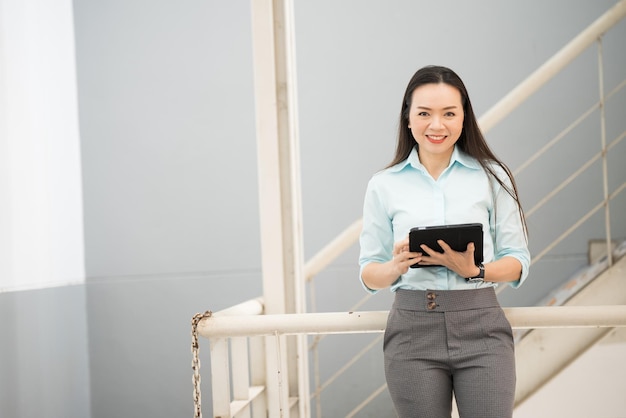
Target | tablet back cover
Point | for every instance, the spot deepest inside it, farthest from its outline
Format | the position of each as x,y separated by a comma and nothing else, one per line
457,236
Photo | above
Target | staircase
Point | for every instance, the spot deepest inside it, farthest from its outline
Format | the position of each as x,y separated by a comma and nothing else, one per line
541,354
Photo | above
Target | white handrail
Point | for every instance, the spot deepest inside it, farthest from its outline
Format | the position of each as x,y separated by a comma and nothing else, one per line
375,321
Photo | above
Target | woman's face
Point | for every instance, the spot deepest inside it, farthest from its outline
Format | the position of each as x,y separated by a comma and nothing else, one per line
436,119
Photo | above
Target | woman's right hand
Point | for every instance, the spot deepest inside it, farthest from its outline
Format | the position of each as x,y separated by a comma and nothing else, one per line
403,258
382,275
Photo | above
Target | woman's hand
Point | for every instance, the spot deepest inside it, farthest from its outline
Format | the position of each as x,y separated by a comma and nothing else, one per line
462,263
403,258
382,275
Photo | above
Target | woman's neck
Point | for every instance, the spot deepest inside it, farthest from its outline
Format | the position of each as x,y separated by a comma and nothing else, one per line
435,164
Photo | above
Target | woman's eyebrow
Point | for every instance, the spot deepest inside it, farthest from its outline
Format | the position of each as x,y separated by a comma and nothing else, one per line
445,108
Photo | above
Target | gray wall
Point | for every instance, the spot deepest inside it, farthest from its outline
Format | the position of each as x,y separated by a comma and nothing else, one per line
165,92
169,171
44,365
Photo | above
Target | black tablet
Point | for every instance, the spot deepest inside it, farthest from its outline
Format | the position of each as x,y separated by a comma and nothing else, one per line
456,236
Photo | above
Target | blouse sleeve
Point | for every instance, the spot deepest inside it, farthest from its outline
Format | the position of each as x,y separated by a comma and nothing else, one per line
376,238
510,238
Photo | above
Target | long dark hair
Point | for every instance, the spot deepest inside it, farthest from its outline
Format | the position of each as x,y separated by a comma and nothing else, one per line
471,140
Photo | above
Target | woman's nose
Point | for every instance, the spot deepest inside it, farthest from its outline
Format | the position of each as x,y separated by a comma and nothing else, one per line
436,123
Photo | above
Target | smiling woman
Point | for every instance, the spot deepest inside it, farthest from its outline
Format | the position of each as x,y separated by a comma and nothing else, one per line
446,332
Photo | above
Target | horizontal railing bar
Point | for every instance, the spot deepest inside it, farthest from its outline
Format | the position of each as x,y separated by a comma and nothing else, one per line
293,324
375,321
608,316
354,307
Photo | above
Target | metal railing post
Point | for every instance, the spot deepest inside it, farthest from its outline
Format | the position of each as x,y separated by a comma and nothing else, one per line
605,174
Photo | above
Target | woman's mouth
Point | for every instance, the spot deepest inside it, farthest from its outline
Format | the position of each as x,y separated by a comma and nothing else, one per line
436,139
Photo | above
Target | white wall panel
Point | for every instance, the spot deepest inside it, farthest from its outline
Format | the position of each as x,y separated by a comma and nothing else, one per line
40,177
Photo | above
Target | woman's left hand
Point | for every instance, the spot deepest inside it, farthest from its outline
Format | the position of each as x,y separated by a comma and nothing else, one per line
462,263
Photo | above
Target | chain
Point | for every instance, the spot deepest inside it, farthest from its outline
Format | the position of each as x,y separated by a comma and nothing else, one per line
195,362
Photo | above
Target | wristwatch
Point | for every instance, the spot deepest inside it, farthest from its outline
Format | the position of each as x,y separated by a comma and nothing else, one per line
481,275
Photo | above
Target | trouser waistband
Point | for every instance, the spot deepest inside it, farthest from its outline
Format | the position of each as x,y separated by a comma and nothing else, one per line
445,300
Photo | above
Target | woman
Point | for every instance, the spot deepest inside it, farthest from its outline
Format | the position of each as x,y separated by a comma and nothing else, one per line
444,173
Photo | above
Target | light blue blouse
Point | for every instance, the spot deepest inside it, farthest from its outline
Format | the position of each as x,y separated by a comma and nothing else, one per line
405,196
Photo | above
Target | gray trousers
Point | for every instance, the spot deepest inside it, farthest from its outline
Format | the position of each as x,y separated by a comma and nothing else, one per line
440,342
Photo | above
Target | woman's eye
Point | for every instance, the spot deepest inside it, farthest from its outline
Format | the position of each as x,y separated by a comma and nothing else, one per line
422,114
450,114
